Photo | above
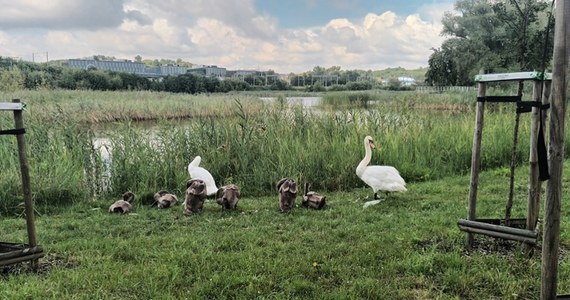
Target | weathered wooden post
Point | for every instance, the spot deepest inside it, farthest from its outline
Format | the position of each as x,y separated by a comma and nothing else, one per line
551,236
26,189
476,157
533,178
11,253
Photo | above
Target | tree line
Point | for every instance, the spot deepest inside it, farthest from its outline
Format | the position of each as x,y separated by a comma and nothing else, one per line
17,74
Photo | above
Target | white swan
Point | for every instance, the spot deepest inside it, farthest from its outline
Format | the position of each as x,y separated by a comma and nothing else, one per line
379,178
197,172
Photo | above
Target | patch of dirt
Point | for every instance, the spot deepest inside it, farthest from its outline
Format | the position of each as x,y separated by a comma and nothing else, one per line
485,245
45,265
489,245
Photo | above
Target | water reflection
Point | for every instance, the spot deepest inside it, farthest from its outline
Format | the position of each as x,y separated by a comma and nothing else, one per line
306,102
104,146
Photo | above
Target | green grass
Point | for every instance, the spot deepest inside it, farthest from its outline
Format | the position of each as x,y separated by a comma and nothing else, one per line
408,247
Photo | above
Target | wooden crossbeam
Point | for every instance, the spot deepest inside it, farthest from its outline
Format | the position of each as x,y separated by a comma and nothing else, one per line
511,76
11,106
14,260
503,232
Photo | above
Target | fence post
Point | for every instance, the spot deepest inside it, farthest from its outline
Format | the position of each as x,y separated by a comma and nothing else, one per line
29,209
476,158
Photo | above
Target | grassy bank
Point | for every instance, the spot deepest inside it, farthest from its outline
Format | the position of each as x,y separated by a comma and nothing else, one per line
408,247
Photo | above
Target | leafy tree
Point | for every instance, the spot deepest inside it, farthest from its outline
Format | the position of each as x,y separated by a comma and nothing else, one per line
319,70
279,85
67,79
39,79
12,80
494,35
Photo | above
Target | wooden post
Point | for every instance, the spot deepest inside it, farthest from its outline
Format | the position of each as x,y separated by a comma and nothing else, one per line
533,181
545,100
476,158
551,236
29,208
509,205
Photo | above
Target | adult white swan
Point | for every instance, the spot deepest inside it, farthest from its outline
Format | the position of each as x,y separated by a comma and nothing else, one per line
197,172
380,178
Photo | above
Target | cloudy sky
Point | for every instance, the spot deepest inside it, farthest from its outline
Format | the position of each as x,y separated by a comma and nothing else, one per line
282,35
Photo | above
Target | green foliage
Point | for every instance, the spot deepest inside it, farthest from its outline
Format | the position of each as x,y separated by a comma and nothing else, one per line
496,36
12,80
347,99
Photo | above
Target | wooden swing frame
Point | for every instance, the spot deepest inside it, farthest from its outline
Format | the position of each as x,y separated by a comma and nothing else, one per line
509,229
11,253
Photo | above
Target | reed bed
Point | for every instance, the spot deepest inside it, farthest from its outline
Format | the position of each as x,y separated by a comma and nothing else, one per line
97,107
241,142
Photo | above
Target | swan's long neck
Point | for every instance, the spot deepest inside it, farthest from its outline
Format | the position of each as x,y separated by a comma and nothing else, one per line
196,162
366,160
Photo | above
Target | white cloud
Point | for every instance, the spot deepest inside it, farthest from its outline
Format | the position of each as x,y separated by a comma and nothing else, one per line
434,12
88,14
228,33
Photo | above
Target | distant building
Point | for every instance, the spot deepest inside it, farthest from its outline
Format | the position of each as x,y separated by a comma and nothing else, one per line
243,73
172,70
406,80
139,68
126,66
209,71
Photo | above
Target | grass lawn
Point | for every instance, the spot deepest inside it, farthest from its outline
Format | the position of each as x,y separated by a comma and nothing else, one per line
408,247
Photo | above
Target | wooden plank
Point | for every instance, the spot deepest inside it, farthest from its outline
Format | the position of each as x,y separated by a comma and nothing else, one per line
498,228
33,257
20,252
11,106
551,236
501,235
520,222
511,76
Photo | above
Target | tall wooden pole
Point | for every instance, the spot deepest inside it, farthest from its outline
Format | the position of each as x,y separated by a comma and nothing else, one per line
551,237
476,158
28,204
533,178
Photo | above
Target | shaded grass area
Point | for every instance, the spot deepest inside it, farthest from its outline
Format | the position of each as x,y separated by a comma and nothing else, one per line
407,247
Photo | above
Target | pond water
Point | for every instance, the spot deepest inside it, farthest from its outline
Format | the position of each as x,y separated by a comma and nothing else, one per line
307,102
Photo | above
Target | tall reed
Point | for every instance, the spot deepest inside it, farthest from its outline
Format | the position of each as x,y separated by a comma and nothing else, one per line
58,161
256,150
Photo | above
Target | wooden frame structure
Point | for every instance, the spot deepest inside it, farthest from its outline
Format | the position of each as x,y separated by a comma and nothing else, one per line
509,228
11,253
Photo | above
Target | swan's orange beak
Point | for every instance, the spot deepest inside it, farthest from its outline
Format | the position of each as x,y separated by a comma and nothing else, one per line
372,144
